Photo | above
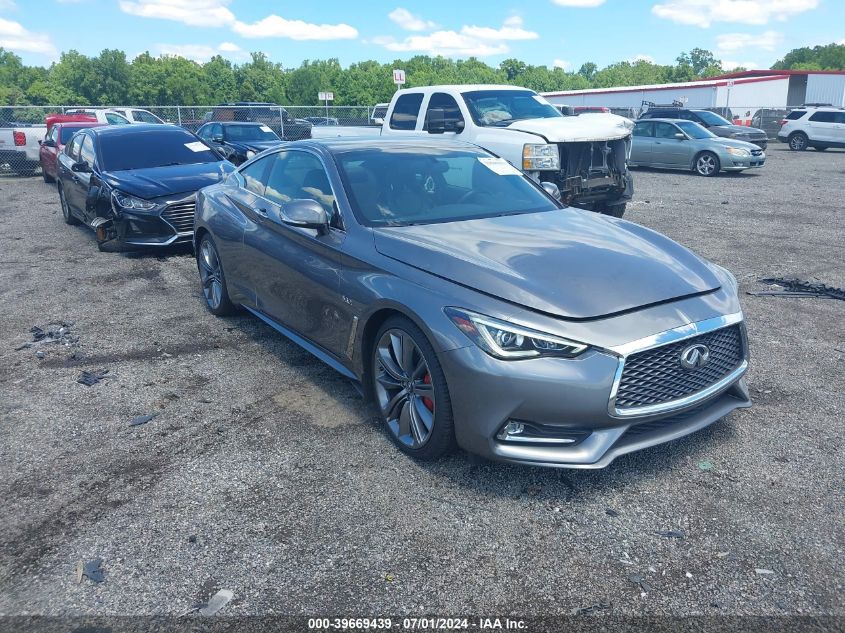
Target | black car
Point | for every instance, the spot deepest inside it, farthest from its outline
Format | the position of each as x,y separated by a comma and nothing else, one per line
239,142
136,185
270,114
719,125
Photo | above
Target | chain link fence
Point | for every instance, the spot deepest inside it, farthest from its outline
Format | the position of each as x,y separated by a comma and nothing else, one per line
23,127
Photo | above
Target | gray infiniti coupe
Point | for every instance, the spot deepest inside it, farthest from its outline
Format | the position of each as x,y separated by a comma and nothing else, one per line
473,307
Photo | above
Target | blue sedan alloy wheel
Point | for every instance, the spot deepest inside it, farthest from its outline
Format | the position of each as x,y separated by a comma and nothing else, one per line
707,164
213,282
410,391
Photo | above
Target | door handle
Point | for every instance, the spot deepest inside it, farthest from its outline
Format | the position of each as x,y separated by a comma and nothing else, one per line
261,211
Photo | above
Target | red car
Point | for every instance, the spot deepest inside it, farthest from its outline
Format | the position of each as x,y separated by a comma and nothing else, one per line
58,135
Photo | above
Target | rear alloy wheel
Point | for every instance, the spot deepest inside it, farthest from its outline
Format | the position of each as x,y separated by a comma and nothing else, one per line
47,177
613,210
213,281
410,391
798,142
707,164
66,212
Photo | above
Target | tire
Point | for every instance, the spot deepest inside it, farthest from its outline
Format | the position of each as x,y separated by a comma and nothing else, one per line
820,148
706,164
798,141
613,210
68,216
403,367
214,289
47,178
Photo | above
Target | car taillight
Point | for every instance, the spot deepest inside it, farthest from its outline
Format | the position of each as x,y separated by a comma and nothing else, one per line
783,121
20,138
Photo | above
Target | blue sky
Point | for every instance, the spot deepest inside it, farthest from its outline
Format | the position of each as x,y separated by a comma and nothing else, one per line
550,32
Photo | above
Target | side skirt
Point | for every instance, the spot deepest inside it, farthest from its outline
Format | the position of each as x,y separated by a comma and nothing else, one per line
306,345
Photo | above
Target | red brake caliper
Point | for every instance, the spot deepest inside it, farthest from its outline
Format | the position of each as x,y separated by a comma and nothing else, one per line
428,402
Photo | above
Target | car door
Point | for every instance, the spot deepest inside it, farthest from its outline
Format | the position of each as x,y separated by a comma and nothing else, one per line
296,271
86,181
669,151
642,143
451,113
838,131
49,150
406,111
74,186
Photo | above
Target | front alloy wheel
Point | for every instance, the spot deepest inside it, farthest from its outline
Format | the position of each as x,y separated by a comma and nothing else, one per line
410,391
66,212
798,142
707,164
213,282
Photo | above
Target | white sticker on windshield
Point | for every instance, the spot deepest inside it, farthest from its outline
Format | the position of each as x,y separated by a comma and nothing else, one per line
197,146
500,166
265,128
540,99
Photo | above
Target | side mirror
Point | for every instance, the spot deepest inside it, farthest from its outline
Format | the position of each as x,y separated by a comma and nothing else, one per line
551,189
378,121
48,142
81,167
680,136
306,214
438,123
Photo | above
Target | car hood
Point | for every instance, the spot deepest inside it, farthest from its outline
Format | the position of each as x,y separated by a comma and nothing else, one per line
573,129
733,142
569,263
727,130
156,182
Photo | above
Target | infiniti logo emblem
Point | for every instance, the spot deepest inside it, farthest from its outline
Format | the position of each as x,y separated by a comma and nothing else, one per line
695,356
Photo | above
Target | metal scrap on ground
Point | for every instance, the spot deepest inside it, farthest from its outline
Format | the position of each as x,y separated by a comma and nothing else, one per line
58,332
798,288
90,378
141,419
91,570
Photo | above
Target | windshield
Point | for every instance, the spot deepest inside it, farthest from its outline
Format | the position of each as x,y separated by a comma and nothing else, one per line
502,107
694,130
152,148
66,133
399,186
711,118
249,133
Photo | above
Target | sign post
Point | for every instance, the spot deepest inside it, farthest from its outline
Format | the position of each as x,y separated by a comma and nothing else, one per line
326,96
730,85
398,77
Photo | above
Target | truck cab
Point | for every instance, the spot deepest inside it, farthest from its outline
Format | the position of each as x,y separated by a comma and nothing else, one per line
585,156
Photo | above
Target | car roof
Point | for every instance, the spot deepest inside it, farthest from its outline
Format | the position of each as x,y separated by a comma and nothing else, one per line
464,88
136,128
80,124
237,123
663,119
342,144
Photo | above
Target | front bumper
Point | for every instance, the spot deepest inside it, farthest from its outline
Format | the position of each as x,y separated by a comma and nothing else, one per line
733,163
174,224
576,397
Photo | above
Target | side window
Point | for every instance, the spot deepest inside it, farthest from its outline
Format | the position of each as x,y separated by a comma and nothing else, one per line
451,111
687,116
54,133
87,151
115,119
823,117
216,131
300,175
406,111
665,130
796,114
72,149
145,117
204,132
644,128
255,176
839,117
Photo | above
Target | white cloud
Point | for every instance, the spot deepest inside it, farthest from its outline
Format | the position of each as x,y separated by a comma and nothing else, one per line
511,30
841,42
729,65
8,5
642,58
446,43
200,52
190,12
277,26
562,63
408,21
14,37
581,4
732,42
704,12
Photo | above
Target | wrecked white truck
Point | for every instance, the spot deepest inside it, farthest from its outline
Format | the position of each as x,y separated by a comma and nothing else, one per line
585,156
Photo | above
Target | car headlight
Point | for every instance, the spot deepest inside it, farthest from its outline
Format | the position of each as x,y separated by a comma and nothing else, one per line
249,154
508,341
131,203
536,157
738,151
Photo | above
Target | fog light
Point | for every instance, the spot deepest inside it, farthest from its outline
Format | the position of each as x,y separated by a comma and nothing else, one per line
535,433
514,428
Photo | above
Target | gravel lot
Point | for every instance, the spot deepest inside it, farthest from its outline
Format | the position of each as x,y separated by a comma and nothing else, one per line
264,472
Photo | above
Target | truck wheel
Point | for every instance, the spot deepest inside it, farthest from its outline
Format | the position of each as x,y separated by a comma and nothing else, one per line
798,142
613,210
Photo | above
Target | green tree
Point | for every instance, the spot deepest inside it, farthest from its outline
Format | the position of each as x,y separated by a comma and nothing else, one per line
829,57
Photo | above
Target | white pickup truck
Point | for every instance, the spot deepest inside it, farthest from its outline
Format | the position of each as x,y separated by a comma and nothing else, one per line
19,148
585,156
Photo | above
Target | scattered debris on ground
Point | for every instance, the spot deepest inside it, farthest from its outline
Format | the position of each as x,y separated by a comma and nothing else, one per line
705,465
91,378
141,419
599,606
217,602
611,512
638,580
784,287
672,534
92,570
59,332
764,572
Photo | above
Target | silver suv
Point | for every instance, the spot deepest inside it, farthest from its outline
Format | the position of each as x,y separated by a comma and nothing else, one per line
817,127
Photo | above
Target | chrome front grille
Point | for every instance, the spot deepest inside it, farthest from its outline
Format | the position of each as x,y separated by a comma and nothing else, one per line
655,376
756,152
181,215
